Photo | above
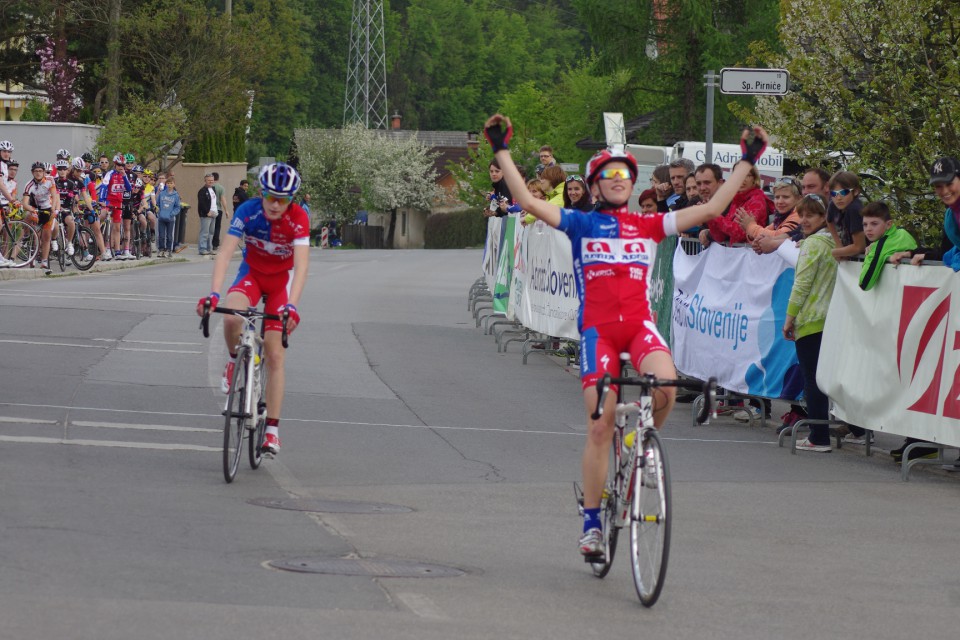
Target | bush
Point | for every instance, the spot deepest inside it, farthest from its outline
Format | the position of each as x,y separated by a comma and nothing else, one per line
456,230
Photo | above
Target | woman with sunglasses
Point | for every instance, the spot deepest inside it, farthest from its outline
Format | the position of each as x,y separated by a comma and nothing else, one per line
576,195
843,215
276,238
613,250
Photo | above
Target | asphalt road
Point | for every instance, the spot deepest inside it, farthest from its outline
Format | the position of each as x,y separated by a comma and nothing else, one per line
115,521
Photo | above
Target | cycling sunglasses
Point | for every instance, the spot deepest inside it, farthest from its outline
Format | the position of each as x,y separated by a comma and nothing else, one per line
841,193
575,178
277,199
610,174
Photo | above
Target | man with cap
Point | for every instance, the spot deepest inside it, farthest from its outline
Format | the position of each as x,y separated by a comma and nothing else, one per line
945,179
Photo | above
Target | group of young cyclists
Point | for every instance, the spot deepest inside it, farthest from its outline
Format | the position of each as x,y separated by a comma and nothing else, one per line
73,188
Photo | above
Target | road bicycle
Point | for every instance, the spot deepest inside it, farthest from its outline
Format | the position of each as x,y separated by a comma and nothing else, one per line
637,491
58,248
86,251
245,413
19,240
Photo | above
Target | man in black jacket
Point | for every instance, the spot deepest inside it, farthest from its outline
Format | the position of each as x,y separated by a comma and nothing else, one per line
207,208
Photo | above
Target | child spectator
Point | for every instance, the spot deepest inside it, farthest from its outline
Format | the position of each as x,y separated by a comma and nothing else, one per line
751,200
843,215
553,178
888,243
576,195
535,188
168,202
807,312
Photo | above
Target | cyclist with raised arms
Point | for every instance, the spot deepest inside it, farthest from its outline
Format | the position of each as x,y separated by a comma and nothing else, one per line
276,237
613,251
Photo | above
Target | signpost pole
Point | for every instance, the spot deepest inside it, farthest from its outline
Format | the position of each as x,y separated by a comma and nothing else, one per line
711,83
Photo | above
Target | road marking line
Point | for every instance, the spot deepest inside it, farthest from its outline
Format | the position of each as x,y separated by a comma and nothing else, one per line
15,420
110,443
422,606
95,297
577,434
97,346
140,427
124,340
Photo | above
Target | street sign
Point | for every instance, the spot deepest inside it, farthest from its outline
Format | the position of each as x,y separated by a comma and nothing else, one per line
769,82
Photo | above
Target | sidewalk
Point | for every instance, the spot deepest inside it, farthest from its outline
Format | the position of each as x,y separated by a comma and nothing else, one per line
189,254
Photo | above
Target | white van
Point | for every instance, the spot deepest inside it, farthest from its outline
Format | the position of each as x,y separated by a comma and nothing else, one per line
727,155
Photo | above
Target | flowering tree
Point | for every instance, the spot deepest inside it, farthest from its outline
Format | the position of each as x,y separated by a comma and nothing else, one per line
877,78
59,75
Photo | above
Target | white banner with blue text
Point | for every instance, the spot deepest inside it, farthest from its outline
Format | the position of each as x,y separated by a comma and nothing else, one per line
890,356
543,295
729,305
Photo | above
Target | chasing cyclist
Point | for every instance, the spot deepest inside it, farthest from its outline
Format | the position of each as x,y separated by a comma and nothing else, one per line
276,237
612,257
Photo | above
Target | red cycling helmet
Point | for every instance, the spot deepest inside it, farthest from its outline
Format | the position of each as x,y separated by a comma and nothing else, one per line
601,158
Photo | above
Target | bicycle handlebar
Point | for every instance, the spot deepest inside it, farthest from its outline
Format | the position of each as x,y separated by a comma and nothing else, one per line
244,313
649,381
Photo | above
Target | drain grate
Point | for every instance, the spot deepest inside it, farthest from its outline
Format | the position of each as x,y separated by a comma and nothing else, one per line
328,506
371,567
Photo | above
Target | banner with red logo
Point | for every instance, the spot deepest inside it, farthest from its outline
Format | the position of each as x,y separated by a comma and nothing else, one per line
729,306
890,357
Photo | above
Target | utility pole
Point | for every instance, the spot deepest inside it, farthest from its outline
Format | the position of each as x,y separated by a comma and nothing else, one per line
113,59
366,92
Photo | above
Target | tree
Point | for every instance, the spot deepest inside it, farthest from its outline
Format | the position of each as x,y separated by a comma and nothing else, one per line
877,78
146,129
325,159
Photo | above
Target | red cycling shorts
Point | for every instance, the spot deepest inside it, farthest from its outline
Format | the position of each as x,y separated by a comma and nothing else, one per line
116,214
601,346
256,284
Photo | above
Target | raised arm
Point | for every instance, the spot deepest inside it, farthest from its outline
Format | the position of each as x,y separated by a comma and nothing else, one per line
498,137
753,147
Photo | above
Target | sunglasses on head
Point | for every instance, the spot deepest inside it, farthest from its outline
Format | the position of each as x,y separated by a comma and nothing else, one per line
610,174
814,197
841,193
574,178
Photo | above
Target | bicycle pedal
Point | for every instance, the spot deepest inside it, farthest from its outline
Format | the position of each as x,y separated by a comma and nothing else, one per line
594,559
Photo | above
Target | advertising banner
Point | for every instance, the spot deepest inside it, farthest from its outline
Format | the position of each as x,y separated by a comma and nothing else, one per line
729,305
549,289
890,357
491,251
661,286
501,287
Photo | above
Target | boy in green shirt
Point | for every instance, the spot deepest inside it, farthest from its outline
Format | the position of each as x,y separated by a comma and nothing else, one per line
888,243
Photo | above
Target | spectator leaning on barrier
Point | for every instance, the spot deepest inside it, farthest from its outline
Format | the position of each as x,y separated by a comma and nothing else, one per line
691,189
945,179
576,195
553,178
843,215
786,195
816,181
648,201
751,201
888,243
807,312
679,170
534,188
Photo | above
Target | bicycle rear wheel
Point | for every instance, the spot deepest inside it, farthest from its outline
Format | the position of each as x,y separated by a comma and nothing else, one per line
234,423
650,517
608,513
85,253
256,436
61,253
19,242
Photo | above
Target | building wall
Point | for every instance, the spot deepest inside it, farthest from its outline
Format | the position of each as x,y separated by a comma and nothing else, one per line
39,141
410,238
189,177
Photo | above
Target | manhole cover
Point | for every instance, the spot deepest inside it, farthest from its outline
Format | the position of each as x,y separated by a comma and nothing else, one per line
373,567
328,506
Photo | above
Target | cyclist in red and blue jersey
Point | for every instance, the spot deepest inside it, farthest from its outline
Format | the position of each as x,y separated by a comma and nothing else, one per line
613,252
276,249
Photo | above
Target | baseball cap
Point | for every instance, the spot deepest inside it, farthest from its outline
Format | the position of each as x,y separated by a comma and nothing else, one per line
944,170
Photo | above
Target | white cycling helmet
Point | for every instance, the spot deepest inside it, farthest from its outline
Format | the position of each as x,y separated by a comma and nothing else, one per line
6,145
79,164
279,179
62,154
61,164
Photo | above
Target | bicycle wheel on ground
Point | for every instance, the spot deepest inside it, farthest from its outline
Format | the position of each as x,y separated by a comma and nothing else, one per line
19,242
608,514
256,436
86,251
234,422
60,255
650,516
136,241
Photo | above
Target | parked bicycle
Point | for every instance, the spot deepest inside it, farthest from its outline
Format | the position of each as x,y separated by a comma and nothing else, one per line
19,240
245,414
637,492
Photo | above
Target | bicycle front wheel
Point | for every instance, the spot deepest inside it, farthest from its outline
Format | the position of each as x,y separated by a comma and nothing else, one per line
19,242
650,516
234,422
85,253
260,429
609,504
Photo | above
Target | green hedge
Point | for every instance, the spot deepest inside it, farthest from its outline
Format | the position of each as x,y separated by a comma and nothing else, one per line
467,228
226,146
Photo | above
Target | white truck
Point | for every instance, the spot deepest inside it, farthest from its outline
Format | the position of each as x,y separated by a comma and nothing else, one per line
727,155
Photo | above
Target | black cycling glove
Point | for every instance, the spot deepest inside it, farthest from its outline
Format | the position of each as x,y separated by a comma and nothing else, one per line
753,149
498,137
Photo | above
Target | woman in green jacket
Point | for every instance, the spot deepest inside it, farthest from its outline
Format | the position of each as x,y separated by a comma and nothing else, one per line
807,311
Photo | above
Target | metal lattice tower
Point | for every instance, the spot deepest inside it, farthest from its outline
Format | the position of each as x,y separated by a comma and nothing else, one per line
366,95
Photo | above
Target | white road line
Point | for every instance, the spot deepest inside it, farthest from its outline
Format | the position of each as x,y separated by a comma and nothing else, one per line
421,605
15,420
577,434
95,297
97,346
110,443
140,427
124,340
